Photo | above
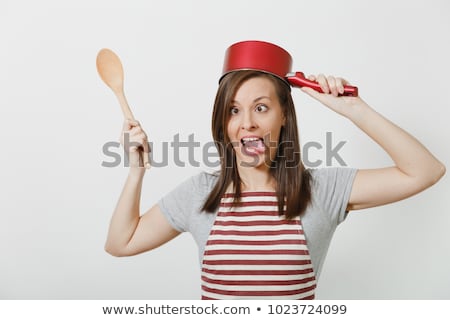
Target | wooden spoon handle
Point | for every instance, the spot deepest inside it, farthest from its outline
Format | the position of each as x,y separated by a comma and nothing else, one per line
124,105
129,115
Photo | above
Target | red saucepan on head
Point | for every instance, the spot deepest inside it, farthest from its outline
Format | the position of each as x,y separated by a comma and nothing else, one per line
270,58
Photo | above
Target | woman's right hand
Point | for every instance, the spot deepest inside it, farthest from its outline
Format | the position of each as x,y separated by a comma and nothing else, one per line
135,143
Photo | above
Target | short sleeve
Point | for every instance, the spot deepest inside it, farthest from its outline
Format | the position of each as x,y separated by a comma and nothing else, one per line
186,199
331,191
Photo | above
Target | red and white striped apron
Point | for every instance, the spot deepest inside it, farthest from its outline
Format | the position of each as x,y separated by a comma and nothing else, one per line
253,253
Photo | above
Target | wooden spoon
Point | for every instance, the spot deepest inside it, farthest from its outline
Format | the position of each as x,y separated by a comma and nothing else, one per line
110,70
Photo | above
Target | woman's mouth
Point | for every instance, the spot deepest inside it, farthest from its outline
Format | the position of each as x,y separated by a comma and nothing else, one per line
253,146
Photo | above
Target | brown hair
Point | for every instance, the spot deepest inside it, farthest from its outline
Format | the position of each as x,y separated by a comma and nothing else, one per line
292,180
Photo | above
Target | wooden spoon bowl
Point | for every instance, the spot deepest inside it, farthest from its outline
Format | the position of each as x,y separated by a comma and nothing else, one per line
110,69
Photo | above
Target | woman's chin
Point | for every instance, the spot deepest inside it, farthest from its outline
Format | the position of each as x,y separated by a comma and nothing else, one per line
251,160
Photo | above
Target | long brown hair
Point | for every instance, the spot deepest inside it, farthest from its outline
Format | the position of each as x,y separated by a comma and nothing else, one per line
292,180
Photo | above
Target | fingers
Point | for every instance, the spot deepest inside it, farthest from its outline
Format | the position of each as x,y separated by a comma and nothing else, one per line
145,155
128,124
133,137
330,84
135,143
322,80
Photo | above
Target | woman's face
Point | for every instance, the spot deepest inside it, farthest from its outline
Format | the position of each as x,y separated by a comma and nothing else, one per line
255,122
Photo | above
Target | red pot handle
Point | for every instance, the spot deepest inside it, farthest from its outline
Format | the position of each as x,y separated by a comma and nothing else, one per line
297,79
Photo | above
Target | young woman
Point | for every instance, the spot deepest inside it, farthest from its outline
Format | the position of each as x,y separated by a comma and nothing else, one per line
264,222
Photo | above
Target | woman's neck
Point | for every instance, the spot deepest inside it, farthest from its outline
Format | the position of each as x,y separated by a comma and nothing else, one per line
256,179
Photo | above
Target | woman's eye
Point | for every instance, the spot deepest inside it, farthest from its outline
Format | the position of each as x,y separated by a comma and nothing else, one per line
261,108
234,110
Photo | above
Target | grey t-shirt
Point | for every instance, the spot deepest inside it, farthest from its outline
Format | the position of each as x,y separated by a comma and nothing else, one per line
331,189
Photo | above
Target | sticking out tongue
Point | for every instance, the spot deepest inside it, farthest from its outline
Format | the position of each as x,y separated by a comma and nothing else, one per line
254,147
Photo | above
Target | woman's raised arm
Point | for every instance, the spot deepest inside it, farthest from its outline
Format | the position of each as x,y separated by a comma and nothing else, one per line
414,169
129,232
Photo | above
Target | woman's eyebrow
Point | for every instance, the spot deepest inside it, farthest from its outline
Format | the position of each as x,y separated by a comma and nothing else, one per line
261,98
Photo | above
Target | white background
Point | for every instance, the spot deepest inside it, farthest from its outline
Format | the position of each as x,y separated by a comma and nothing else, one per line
56,115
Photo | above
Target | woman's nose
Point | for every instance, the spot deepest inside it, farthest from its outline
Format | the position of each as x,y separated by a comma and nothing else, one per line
248,121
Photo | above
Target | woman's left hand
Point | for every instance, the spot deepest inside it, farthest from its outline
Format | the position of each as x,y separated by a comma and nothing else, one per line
332,88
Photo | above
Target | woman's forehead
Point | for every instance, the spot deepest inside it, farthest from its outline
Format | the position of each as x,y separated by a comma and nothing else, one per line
256,88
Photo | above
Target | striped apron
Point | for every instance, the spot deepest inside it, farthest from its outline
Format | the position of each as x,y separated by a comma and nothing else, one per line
254,253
